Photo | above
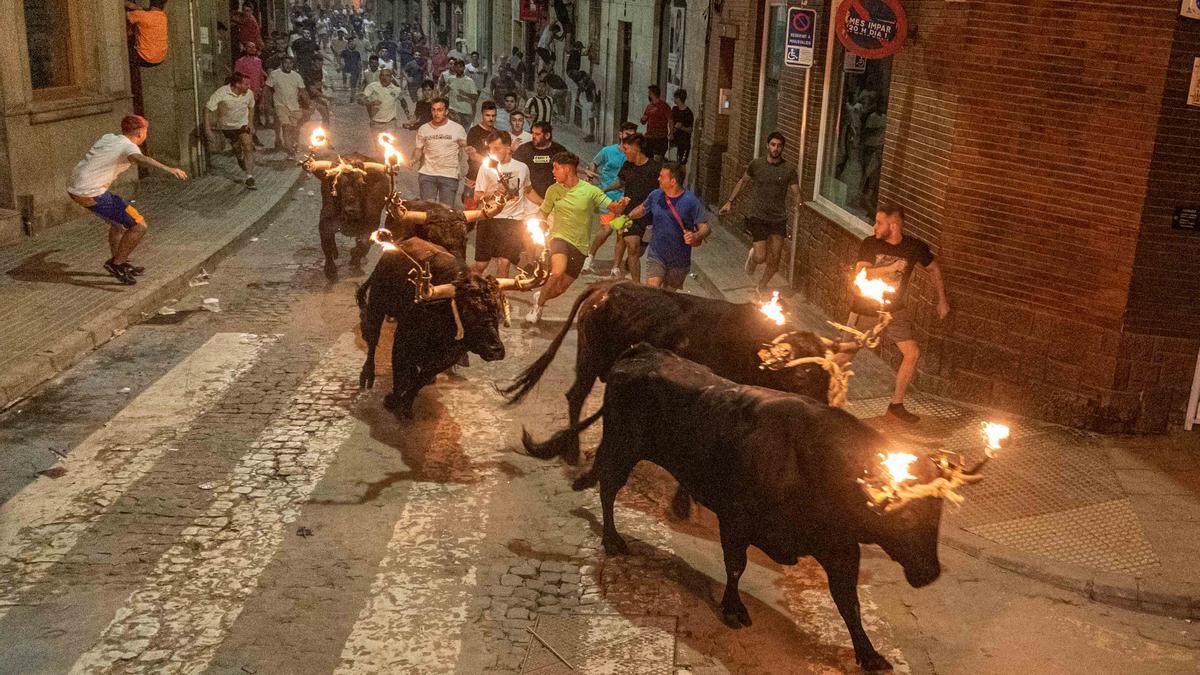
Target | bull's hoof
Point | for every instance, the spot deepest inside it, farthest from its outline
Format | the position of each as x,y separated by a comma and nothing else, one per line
331,272
735,616
873,662
615,545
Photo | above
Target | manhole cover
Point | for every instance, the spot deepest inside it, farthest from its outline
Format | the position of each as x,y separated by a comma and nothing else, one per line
602,643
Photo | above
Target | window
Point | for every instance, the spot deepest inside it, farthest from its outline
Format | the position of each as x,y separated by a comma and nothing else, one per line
768,95
48,34
856,104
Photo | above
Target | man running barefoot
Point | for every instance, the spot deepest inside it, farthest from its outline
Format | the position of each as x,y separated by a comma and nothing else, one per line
108,158
571,202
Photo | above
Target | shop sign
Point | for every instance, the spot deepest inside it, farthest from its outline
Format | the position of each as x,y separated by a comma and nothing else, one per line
1190,9
1186,218
531,10
801,36
873,29
1194,87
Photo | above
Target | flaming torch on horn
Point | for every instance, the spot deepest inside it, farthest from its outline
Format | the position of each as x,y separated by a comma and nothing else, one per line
871,289
773,310
392,159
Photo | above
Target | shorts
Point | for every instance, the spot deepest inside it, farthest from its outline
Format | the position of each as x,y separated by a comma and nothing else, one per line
499,238
111,208
235,135
288,117
656,147
672,277
637,228
900,329
761,229
575,257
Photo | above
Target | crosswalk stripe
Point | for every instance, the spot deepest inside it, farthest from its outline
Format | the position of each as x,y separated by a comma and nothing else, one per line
186,607
43,522
419,599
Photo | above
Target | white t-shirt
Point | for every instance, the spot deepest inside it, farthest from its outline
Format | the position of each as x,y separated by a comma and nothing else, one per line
521,139
440,148
386,97
107,159
515,177
385,64
233,111
370,76
462,92
287,88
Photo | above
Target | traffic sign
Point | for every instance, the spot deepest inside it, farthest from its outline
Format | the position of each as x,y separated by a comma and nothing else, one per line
873,29
801,36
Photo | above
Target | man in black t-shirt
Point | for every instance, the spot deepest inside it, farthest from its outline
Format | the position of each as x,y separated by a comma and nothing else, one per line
891,255
477,149
537,154
638,177
682,123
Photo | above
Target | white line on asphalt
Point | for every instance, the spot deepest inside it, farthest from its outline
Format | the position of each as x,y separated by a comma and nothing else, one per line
186,607
418,602
44,521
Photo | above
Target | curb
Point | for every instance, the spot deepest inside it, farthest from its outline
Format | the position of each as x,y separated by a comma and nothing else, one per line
1151,595
22,380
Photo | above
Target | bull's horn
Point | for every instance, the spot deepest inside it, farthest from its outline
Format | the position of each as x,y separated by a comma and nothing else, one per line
519,284
318,165
440,292
374,166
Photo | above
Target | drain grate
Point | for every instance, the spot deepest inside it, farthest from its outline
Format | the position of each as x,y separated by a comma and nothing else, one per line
603,644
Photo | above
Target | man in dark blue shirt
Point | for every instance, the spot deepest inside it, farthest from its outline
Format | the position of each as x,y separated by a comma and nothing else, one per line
679,225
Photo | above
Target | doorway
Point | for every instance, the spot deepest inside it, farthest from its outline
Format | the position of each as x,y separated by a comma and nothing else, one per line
624,41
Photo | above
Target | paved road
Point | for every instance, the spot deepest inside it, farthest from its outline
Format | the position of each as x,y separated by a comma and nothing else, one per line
211,492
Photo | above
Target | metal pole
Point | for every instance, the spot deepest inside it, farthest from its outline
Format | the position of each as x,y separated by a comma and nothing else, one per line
201,166
800,176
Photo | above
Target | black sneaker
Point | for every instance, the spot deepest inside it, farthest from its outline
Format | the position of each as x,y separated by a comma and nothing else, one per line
250,183
135,270
119,273
897,410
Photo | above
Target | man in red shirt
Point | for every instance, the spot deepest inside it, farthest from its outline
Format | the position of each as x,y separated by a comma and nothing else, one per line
657,118
248,29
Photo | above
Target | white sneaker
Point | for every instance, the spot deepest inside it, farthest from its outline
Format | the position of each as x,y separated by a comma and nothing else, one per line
616,274
587,265
751,263
535,312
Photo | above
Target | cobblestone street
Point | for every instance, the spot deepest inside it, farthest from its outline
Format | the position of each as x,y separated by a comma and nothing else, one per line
212,492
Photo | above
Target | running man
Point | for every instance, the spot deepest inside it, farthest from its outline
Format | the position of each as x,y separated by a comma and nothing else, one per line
638,178
440,152
286,90
774,197
231,109
502,238
678,227
91,178
604,169
571,202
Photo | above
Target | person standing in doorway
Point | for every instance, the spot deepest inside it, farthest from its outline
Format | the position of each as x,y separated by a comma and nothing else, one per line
682,122
678,227
502,238
439,152
604,169
91,179
285,89
231,110
891,255
657,118
774,196
569,204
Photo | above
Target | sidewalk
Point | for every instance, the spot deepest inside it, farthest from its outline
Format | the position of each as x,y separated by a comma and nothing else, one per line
56,301
1114,519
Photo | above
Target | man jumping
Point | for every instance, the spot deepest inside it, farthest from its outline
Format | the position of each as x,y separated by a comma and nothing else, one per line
107,159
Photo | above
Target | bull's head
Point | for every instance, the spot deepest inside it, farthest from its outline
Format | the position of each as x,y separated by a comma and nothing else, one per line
348,187
479,307
806,366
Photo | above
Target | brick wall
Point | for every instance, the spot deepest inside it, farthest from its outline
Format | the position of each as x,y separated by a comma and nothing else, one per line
1024,139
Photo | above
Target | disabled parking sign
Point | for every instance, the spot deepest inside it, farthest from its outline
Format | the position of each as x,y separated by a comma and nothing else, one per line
801,36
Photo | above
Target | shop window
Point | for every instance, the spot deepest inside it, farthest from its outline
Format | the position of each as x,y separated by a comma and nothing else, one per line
48,34
856,106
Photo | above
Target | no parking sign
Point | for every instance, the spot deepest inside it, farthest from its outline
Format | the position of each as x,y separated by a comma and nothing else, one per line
801,36
872,29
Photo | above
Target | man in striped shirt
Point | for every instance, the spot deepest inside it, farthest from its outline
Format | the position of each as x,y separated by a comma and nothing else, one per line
540,108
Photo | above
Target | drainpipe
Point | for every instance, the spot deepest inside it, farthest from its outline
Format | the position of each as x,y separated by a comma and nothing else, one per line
200,167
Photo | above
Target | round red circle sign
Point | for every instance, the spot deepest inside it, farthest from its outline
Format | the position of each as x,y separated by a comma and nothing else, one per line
872,29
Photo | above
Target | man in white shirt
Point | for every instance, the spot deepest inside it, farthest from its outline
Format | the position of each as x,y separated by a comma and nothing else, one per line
231,109
440,152
91,178
286,89
516,120
382,99
502,238
462,93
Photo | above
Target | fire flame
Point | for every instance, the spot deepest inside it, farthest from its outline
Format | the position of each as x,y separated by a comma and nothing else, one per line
536,233
391,155
897,464
317,138
387,246
773,310
872,289
996,434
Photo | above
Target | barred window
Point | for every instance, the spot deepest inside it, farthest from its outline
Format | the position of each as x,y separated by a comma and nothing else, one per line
48,34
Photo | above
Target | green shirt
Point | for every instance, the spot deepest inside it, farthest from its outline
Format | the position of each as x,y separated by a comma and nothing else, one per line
573,209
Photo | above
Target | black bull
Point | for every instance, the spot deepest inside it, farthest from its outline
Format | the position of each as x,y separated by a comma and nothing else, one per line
426,341
614,316
779,471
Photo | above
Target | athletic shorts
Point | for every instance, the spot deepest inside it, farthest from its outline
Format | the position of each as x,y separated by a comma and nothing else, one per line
234,136
499,238
637,228
111,208
288,117
656,147
761,230
575,257
672,277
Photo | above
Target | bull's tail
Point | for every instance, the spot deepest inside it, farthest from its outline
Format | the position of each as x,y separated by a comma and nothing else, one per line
528,378
562,442
360,296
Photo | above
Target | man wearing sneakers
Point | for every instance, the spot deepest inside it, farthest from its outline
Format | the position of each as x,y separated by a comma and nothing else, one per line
637,178
605,166
774,196
571,202
108,158
891,255
502,238
231,109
